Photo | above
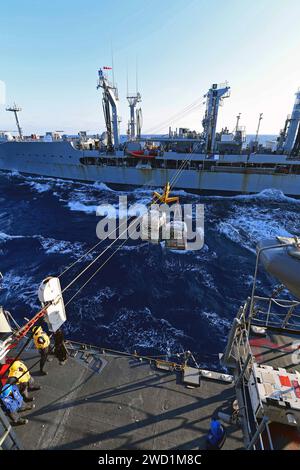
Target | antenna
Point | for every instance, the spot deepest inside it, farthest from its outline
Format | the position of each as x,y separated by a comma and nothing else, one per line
112,64
134,123
237,122
136,76
16,109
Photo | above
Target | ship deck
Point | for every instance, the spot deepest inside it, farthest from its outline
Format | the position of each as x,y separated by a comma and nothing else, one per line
276,349
114,402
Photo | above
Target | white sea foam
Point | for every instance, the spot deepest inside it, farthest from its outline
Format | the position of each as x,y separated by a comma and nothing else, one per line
23,288
93,305
39,187
102,187
53,246
141,330
80,207
248,225
218,323
136,247
268,194
5,237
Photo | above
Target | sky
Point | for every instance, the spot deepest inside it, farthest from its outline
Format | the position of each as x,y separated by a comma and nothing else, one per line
51,50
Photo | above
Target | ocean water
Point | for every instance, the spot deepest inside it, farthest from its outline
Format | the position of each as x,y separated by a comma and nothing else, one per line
146,298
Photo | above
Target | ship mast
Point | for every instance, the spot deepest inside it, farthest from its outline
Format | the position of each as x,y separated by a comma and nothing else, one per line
214,98
16,109
258,127
133,128
293,126
237,122
110,101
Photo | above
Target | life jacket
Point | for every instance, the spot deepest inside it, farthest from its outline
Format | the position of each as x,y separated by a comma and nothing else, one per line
14,401
17,370
38,335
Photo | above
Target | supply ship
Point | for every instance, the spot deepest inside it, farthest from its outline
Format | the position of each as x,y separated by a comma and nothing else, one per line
120,400
209,161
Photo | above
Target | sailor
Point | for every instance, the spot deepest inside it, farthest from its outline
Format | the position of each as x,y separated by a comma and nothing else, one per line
13,403
60,349
19,375
42,343
216,436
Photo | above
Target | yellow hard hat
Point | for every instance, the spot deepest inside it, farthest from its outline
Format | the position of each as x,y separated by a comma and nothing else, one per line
18,365
37,329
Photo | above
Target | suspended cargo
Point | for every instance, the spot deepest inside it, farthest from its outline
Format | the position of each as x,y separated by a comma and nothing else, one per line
151,225
176,235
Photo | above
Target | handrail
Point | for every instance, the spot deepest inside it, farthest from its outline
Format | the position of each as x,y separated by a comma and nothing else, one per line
241,350
280,312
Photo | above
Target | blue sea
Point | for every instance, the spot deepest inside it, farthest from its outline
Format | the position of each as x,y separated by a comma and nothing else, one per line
146,298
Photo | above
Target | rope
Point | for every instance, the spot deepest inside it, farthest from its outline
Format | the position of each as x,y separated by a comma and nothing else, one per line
94,274
138,356
105,250
186,110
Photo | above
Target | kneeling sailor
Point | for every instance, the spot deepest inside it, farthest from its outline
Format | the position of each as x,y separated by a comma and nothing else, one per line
13,403
19,375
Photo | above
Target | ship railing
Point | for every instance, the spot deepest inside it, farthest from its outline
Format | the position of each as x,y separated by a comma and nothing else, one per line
238,354
274,312
255,423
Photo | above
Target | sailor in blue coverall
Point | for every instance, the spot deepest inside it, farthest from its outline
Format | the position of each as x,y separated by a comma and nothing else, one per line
13,403
216,436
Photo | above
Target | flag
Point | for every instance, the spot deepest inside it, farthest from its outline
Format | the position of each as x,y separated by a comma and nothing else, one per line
107,68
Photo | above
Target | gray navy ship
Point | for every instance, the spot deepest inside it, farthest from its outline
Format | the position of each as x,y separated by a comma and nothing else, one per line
120,400
208,161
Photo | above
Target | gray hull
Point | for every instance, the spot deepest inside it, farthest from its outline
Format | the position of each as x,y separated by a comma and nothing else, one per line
62,160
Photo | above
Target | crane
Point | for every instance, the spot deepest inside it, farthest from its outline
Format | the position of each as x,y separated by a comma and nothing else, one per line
110,109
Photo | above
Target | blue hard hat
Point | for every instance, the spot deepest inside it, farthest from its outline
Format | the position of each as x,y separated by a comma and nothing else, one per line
6,390
215,426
